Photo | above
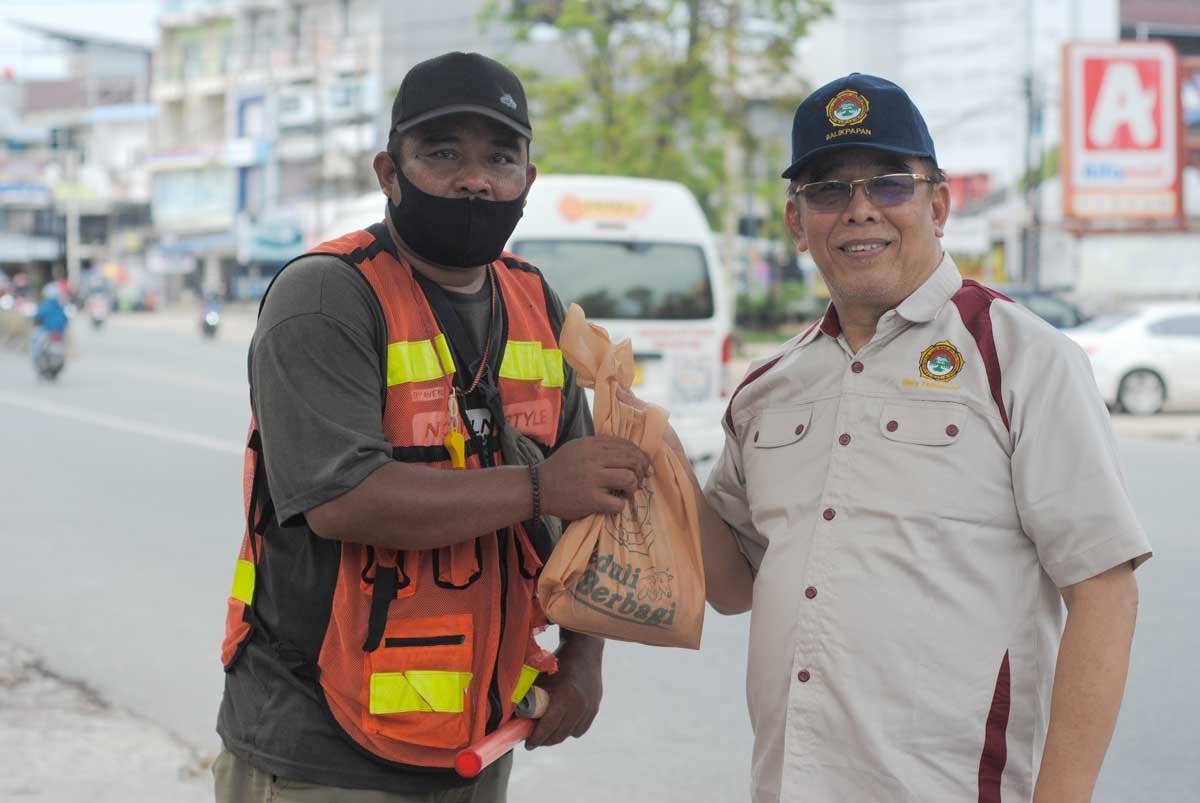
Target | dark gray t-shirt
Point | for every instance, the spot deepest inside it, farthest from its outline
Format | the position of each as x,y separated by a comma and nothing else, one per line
317,390
317,382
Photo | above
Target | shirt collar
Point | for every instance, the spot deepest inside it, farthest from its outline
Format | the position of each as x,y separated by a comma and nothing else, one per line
920,307
925,302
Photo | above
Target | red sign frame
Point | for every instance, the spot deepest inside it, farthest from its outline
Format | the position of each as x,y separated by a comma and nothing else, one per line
1122,149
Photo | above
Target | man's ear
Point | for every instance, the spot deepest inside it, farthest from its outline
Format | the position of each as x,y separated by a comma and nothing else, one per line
385,173
530,175
940,198
795,225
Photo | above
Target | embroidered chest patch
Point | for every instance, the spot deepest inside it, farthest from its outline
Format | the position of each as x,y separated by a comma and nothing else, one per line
941,361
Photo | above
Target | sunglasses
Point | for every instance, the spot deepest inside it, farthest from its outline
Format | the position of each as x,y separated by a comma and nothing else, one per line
891,189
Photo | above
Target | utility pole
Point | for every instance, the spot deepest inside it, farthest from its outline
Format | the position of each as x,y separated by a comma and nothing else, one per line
72,214
1031,242
732,195
1031,250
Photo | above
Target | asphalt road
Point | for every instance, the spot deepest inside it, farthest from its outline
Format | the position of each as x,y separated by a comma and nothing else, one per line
120,511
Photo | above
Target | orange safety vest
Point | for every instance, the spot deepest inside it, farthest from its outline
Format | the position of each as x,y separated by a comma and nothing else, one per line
419,646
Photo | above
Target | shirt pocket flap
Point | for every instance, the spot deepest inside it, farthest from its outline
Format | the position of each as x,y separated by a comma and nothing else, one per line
925,424
776,428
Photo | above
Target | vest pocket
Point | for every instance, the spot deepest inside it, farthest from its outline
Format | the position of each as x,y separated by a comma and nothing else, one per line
527,557
458,566
406,563
417,684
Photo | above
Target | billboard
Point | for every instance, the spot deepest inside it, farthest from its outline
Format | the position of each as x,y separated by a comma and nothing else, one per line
1121,128
1189,93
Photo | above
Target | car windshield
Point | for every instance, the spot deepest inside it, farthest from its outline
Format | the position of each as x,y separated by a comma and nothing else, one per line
625,279
1106,323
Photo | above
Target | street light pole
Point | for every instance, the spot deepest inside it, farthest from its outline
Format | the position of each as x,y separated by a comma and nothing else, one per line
72,214
1031,245
1033,234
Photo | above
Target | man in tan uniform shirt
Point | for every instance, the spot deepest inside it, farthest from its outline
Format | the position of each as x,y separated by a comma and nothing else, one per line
908,492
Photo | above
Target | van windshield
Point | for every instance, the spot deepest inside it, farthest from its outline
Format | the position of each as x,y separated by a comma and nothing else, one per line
629,280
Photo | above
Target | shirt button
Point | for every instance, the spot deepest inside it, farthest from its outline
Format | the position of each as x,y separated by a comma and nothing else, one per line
810,592
844,439
829,514
856,367
892,426
756,437
799,429
952,430
803,676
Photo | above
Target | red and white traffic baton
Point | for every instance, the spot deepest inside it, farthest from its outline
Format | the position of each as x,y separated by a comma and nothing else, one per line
471,761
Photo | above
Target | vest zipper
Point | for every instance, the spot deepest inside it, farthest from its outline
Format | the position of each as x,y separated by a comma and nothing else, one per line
495,701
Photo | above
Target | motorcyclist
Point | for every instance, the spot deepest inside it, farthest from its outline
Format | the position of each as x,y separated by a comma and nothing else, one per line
50,323
210,316
51,315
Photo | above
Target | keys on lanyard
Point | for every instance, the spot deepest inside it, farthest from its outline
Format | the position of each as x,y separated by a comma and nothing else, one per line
454,441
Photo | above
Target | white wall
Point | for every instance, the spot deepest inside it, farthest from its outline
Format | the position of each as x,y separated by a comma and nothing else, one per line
964,63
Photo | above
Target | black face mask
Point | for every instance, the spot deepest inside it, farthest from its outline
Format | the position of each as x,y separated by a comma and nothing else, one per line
453,232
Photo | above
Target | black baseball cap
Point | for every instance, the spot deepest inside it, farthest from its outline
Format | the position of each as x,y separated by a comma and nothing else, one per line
861,111
454,83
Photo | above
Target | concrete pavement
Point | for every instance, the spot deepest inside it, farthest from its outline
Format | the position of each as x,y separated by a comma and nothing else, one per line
122,514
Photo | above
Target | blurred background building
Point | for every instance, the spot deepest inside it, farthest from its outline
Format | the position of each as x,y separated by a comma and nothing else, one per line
205,159
74,195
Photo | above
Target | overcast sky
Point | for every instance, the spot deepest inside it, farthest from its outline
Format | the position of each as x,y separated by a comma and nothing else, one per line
125,20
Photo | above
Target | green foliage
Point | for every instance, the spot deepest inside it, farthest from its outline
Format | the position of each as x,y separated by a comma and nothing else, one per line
658,84
767,310
1050,166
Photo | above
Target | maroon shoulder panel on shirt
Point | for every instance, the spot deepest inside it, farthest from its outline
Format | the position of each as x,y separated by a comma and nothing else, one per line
762,369
831,324
755,374
974,302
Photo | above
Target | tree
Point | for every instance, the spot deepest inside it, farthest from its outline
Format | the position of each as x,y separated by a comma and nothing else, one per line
661,87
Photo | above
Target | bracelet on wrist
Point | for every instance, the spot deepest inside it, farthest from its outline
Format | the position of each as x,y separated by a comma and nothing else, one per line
535,489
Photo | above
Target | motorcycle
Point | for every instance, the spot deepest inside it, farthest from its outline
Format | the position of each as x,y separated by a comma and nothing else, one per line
210,322
98,307
49,354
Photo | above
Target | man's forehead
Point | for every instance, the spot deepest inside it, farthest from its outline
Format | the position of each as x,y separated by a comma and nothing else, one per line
857,159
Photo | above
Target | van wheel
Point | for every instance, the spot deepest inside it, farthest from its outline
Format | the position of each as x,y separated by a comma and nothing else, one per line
1142,392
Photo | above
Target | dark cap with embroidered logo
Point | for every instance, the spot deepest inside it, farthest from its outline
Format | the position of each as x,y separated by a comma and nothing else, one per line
456,83
860,111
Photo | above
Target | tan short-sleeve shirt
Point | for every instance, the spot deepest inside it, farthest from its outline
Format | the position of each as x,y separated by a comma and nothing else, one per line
911,512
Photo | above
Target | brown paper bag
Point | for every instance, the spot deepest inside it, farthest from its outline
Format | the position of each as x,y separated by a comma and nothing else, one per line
636,576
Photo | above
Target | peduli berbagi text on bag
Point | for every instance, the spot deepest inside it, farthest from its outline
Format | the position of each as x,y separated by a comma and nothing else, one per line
638,575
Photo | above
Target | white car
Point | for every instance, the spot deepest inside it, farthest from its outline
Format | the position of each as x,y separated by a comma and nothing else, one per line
1147,360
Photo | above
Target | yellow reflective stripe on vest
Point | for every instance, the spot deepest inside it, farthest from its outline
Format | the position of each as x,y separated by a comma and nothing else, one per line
528,676
526,359
435,691
243,581
417,361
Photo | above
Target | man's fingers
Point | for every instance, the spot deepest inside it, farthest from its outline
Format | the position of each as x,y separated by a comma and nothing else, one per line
607,503
583,725
625,454
620,479
548,727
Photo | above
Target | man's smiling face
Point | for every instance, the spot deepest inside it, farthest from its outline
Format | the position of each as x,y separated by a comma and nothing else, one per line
868,254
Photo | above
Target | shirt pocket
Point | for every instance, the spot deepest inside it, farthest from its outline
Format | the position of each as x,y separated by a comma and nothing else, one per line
923,423
772,457
928,462
778,428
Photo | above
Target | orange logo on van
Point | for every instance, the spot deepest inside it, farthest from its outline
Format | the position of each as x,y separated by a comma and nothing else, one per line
574,209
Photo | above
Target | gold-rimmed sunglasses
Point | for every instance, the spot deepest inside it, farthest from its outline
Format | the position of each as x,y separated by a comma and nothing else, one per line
891,189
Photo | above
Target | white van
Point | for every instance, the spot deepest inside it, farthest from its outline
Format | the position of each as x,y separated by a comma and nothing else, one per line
638,256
